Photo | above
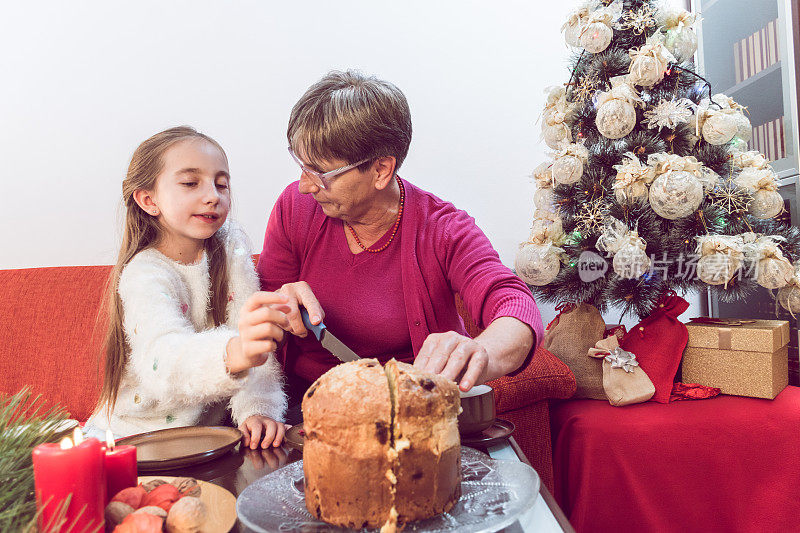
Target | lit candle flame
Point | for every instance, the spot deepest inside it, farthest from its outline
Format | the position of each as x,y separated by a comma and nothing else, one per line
65,443
110,439
77,436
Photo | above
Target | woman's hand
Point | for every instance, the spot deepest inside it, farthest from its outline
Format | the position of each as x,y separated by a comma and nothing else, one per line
261,324
300,294
454,356
261,430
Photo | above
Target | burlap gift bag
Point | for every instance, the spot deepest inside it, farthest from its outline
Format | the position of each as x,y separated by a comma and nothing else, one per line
569,337
624,382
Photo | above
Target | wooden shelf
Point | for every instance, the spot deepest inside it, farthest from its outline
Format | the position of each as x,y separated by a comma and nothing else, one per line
753,80
761,93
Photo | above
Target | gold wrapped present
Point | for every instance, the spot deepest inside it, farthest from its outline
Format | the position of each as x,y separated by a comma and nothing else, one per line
741,357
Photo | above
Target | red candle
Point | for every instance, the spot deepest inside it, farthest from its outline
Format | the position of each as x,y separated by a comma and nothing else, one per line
121,470
70,470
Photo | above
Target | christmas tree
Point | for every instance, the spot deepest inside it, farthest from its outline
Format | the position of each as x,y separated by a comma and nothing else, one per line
651,186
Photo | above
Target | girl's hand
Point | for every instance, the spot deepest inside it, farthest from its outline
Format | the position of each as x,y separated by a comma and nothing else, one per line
261,324
261,429
300,294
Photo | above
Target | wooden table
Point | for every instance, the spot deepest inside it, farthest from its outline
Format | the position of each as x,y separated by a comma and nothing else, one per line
239,468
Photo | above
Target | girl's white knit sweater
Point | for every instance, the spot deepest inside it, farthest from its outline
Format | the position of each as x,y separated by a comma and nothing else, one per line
176,373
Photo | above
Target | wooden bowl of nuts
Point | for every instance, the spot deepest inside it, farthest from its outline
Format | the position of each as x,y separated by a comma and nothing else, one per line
173,504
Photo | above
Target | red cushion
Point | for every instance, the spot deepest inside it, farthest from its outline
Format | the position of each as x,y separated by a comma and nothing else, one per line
658,342
48,318
546,376
724,464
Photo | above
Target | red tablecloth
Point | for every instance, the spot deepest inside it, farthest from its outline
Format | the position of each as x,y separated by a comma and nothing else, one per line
727,464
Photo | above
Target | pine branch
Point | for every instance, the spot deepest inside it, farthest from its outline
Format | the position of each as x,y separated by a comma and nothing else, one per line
24,424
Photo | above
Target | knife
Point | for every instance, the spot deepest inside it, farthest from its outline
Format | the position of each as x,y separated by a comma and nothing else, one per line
328,339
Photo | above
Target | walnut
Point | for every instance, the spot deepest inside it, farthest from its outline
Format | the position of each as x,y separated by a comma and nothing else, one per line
150,485
116,512
187,486
186,516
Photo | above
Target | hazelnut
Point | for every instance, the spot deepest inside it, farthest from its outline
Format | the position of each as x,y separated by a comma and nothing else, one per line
152,509
186,516
116,512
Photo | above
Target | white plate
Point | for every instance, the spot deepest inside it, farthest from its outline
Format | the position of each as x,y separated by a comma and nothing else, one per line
493,495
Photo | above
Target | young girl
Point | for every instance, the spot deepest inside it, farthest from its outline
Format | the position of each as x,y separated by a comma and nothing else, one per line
189,334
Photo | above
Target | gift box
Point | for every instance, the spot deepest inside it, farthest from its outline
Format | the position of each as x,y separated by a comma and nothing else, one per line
741,357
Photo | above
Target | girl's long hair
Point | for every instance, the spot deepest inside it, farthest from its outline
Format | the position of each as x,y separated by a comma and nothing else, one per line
142,231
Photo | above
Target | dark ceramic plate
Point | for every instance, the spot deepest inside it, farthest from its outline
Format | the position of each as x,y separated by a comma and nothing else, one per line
494,434
177,447
294,436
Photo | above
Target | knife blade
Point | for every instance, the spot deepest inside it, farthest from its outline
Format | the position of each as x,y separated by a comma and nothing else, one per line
328,339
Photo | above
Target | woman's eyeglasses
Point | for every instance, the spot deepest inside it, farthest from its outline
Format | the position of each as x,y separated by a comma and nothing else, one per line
323,179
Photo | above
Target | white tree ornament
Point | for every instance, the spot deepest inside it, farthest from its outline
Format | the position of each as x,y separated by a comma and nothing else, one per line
537,264
649,63
632,180
569,162
555,128
744,129
762,183
717,120
720,258
680,38
789,296
573,27
556,134
772,269
679,186
543,198
597,33
669,114
630,259
753,158
616,116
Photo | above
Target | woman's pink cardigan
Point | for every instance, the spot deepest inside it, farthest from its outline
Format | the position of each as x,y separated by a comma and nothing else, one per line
448,255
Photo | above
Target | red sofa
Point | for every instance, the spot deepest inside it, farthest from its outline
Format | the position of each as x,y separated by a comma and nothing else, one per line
49,340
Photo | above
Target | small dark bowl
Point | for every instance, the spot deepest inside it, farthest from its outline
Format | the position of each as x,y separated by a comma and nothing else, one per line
477,410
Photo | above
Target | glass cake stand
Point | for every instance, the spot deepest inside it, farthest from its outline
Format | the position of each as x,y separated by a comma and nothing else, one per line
493,495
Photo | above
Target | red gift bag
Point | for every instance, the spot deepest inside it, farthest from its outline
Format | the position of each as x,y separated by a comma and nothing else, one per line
658,342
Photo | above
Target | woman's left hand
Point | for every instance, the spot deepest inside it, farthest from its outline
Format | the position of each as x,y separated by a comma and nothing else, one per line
453,356
262,430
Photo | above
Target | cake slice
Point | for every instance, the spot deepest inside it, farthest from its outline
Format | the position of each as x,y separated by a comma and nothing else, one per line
347,416
426,447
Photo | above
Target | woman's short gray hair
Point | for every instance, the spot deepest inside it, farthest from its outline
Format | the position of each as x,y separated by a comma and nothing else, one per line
350,116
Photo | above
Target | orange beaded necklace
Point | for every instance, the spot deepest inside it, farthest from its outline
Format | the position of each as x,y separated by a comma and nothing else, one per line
394,228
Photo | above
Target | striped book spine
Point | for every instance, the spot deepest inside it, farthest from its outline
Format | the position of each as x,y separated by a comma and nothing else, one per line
737,62
769,140
756,52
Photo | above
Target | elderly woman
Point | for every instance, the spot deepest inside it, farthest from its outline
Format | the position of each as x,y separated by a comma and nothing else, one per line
379,259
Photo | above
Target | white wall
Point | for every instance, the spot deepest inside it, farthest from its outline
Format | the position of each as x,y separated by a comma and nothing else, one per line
84,82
